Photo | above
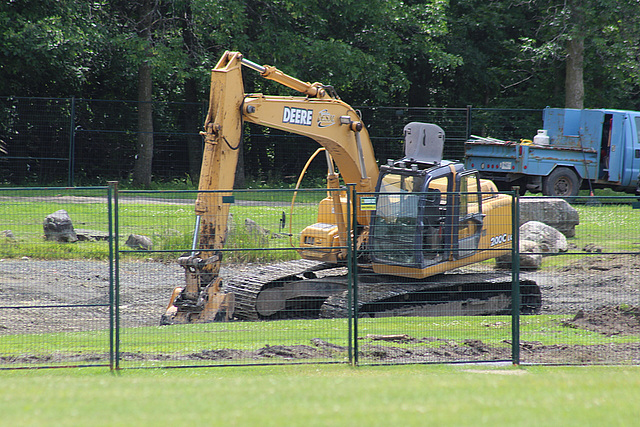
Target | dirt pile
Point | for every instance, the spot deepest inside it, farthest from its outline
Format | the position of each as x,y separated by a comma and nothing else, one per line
620,320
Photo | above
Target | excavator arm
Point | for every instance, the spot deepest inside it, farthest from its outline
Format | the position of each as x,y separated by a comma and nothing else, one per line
319,115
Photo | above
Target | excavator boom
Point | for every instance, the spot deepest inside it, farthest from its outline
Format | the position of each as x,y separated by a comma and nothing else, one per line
319,114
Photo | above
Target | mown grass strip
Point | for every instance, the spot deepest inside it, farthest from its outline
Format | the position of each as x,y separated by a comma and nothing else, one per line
186,339
439,395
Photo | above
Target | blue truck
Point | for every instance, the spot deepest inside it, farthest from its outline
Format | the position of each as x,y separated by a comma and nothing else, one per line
575,149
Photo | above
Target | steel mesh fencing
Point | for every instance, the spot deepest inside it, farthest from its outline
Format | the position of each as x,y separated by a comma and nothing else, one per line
100,302
36,134
386,124
434,293
588,275
275,320
505,123
74,141
55,277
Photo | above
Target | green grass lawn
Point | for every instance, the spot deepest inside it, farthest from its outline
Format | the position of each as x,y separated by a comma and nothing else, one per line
327,395
303,395
612,227
181,340
170,223
158,215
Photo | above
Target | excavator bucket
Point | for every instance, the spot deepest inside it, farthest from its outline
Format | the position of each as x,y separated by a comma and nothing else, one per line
213,306
219,307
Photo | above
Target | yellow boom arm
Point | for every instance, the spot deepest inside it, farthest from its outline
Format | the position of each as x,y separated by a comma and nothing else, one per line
319,115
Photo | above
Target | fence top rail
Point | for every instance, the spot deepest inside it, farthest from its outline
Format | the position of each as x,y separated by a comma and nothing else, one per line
52,188
9,97
525,110
243,190
369,107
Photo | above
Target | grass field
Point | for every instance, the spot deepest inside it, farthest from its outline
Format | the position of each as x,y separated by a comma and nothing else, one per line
184,339
170,225
328,395
168,218
305,395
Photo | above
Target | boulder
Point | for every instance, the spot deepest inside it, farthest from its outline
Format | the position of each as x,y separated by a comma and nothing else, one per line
548,239
91,235
59,228
259,233
536,239
253,227
137,241
529,259
556,213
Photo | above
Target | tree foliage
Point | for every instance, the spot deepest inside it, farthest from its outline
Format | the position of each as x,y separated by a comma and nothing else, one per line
485,53
376,52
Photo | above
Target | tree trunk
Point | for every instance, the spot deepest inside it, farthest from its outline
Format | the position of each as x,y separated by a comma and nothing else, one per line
574,81
144,159
192,114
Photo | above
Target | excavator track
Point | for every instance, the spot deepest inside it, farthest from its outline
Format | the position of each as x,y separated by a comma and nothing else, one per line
311,289
454,294
248,288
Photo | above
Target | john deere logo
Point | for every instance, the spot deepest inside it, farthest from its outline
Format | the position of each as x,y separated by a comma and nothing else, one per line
297,116
325,119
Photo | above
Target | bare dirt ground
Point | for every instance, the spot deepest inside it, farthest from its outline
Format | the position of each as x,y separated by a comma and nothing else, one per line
598,293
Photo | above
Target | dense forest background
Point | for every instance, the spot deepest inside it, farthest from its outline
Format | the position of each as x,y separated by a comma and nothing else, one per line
415,53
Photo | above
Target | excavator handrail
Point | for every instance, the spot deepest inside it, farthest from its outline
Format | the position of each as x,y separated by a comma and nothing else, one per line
295,193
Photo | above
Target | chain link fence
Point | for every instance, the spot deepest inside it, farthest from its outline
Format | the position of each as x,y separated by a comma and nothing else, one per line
73,141
97,301
589,281
56,277
261,248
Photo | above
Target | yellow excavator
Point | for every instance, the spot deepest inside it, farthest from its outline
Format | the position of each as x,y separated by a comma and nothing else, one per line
427,217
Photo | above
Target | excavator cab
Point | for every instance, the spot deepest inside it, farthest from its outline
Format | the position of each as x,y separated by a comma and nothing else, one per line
428,211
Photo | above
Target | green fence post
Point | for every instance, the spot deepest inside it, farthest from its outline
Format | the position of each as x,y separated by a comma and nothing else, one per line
353,282
469,111
72,141
116,281
515,278
110,193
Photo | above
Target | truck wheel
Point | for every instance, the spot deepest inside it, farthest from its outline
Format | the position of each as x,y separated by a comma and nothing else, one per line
562,182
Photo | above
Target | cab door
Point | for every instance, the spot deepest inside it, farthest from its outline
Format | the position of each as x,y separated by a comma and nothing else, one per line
468,220
616,147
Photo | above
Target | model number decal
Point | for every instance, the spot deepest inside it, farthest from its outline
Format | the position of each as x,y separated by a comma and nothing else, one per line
501,238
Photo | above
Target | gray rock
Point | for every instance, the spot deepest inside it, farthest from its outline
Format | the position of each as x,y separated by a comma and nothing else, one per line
536,239
59,228
546,237
253,227
556,213
259,233
137,241
529,259
91,235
